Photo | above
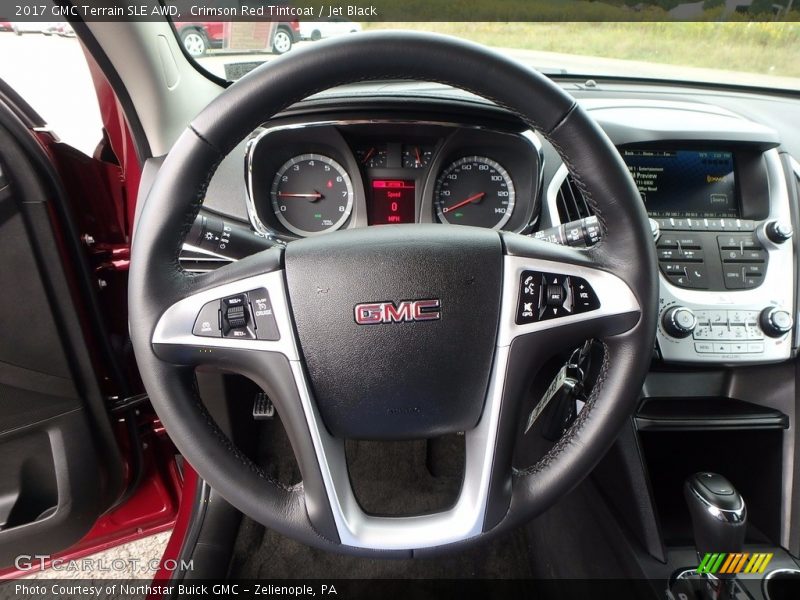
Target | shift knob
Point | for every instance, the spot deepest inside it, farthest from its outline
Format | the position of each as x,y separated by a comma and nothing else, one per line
719,515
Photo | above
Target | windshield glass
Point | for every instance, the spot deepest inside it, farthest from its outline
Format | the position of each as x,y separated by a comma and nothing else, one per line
758,54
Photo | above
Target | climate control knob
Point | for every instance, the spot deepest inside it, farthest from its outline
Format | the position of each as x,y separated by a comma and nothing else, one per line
679,322
776,321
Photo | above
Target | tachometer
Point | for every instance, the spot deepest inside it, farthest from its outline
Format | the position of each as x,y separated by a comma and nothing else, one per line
312,194
474,190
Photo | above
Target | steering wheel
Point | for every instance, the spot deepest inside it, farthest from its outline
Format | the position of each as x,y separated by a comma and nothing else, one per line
394,332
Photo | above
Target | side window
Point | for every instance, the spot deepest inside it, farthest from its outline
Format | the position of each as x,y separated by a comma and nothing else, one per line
44,63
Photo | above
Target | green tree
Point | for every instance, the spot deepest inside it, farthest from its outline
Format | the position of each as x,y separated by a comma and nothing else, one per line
762,7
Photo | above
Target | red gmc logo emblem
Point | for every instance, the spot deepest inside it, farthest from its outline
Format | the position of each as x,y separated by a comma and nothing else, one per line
405,311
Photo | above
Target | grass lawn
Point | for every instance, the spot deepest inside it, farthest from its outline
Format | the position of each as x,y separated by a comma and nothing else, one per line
759,47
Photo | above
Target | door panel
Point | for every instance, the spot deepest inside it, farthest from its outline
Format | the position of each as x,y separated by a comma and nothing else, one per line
60,467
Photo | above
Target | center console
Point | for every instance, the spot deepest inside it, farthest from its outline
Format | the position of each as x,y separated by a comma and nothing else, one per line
721,396
715,189
723,234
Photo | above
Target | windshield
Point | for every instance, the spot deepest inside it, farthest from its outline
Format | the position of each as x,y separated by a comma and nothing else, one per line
757,53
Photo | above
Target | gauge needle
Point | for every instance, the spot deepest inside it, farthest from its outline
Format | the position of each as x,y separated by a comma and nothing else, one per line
312,197
464,202
367,156
419,159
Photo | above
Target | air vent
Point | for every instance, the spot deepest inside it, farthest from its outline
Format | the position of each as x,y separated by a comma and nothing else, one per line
571,203
198,260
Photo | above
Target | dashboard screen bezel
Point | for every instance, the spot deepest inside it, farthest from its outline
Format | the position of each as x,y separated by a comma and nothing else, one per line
751,186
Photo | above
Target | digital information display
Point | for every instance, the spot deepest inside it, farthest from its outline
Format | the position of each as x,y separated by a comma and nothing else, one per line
391,201
684,183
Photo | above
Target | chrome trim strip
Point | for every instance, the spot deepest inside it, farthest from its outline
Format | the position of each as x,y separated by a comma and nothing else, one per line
463,521
552,194
732,515
795,166
772,574
274,236
211,254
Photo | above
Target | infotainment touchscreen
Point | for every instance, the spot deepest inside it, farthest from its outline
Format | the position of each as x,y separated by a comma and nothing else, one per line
684,183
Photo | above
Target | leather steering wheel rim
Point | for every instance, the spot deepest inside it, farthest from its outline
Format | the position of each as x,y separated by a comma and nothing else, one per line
157,282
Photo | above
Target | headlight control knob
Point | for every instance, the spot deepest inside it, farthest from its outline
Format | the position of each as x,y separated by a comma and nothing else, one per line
776,321
679,322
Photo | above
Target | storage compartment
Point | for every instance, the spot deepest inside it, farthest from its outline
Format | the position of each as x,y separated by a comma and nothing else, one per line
750,458
28,490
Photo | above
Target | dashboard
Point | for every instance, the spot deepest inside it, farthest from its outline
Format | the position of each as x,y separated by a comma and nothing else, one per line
317,177
717,186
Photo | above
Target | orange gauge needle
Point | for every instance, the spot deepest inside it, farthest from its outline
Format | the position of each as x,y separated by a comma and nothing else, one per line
367,156
463,202
314,196
419,158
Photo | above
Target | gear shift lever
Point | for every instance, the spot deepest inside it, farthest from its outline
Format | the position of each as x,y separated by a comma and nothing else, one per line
719,520
719,515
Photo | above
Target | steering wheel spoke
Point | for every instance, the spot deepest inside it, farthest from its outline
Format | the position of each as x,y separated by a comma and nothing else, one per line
212,326
562,290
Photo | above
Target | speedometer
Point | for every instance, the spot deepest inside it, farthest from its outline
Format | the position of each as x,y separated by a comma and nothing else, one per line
312,194
474,190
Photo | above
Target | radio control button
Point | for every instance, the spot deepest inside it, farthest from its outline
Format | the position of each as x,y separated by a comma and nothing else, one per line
731,255
551,295
739,348
689,241
698,278
747,225
690,255
703,347
722,348
673,268
734,278
751,281
681,280
667,241
668,254
755,347
753,270
751,255
678,223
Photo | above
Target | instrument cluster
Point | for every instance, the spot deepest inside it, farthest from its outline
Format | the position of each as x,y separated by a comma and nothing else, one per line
306,179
